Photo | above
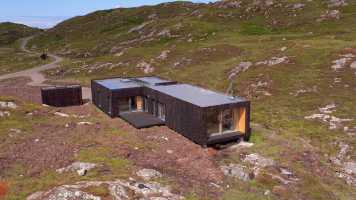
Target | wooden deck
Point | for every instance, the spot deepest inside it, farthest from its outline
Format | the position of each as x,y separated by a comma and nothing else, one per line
141,119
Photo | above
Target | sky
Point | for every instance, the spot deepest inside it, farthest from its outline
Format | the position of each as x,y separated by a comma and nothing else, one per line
47,13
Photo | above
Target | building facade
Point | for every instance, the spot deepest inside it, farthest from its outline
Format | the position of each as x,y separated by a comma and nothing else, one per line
204,116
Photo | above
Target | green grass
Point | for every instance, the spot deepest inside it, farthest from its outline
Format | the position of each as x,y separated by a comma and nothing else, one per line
12,59
281,131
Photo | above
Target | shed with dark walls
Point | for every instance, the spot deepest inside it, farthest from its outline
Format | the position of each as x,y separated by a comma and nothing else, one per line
61,96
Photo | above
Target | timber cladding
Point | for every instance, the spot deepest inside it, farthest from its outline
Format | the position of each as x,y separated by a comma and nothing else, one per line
62,96
185,116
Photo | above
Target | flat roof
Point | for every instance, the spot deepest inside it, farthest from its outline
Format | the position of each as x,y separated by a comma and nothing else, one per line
152,80
197,95
118,83
185,92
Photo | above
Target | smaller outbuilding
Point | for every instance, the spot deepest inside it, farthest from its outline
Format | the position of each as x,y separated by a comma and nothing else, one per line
204,116
61,96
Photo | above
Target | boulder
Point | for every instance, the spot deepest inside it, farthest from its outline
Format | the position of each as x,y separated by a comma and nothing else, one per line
148,174
350,167
353,65
236,171
8,104
61,114
258,160
80,167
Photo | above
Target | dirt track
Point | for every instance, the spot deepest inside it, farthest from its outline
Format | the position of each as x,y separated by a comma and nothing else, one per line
35,74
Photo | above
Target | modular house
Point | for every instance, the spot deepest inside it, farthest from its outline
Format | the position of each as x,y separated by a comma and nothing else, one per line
203,116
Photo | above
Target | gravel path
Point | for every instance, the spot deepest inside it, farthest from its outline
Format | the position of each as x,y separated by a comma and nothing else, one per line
35,73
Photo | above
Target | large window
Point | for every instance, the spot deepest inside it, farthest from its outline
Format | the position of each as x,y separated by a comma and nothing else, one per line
220,121
128,104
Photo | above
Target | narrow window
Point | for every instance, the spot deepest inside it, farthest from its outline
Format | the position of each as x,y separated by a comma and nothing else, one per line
161,111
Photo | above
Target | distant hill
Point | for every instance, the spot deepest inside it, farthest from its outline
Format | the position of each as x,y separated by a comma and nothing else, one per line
294,59
107,31
10,32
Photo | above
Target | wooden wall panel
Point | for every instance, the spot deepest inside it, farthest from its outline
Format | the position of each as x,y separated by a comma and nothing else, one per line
62,96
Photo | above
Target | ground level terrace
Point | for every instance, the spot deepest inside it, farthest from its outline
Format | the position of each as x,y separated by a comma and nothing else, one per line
204,116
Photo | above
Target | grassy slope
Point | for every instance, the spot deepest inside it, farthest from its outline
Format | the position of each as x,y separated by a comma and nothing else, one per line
10,32
312,46
12,58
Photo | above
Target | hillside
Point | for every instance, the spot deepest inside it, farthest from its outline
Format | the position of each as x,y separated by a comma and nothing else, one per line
10,32
12,57
294,59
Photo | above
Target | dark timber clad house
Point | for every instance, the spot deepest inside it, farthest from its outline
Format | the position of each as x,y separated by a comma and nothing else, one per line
204,116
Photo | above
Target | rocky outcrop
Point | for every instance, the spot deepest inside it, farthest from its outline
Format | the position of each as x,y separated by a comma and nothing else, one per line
274,61
236,171
325,116
80,167
337,3
118,190
145,67
8,105
258,160
148,174
243,66
329,15
342,61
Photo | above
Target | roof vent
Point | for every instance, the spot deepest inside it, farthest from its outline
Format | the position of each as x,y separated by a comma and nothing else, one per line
232,97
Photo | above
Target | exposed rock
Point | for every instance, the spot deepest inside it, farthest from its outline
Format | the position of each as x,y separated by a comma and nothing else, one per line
8,105
243,66
65,193
148,174
85,123
324,116
330,15
153,16
80,167
61,114
263,3
35,196
341,63
236,171
164,55
328,108
353,65
139,27
303,91
350,167
337,3
229,4
5,114
15,130
241,145
349,179
145,67
164,33
274,61
298,6
258,160
283,48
